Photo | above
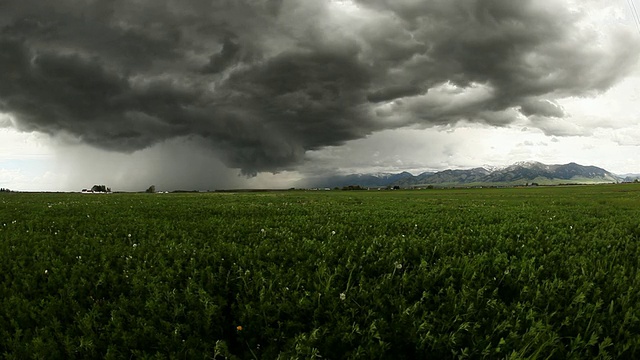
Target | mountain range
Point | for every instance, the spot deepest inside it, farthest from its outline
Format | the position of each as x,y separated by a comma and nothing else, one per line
520,173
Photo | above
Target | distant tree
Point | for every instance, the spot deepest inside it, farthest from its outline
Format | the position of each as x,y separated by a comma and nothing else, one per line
151,189
99,188
4,190
353,187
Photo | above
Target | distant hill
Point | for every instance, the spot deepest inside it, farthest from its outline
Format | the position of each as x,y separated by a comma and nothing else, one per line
444,177
520,173
535,171
630,177
364,180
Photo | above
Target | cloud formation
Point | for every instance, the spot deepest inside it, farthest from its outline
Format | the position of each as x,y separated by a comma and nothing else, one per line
262,82
543,108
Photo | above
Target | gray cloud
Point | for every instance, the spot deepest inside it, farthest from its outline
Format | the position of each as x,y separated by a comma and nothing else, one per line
542,108
559,127
227,56
264,82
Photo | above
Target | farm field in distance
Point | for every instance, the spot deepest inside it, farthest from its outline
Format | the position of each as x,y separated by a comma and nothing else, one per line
547,272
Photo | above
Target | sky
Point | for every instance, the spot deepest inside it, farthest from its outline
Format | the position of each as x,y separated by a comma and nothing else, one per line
219,94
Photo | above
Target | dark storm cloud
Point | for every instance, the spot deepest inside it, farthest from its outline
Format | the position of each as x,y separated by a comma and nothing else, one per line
262,82
393,92
226,57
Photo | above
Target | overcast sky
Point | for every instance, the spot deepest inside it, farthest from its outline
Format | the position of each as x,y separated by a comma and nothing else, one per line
207,94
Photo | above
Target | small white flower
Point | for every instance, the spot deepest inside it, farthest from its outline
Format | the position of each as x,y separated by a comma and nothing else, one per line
261,230
46,271
398,266
135,245
129,235
343,296
333,232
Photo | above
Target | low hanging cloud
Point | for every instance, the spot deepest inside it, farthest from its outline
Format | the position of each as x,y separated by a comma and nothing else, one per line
262,82
542,108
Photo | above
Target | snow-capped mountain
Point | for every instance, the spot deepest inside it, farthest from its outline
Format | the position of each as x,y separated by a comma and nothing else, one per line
520,173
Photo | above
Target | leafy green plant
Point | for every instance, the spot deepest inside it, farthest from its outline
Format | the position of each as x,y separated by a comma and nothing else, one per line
472,273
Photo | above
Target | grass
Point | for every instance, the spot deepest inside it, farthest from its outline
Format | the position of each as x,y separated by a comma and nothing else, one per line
548,272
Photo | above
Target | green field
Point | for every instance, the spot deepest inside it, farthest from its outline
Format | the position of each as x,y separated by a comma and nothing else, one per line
549,272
